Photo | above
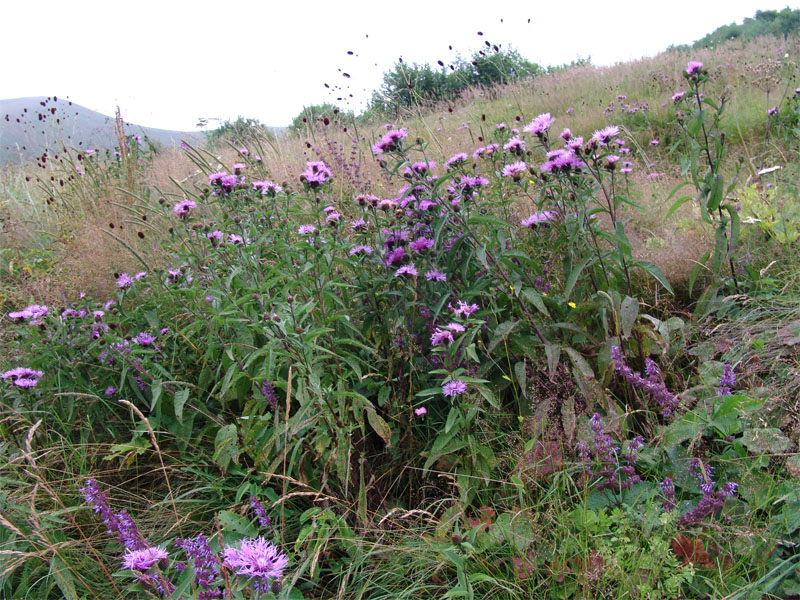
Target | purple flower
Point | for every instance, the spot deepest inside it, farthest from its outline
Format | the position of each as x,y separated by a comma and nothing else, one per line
390,141
260,512
654,142
144,339
22,377
420,411
515,145
110,391
359,225
267,188
419,168
215,235
456,327
435,275
515,170
34,313
140,275
454,387
408,269
306,229
538,218
440,336
142,560
540,124
726,381
668,489
678,96
124,281
268,391
183,208
601,136
651,385
773,111
693,67
316,173
421,244
464,310
456,159
205,564
256,558
360,249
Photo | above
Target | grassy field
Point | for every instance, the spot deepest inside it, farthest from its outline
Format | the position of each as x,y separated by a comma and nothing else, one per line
538,342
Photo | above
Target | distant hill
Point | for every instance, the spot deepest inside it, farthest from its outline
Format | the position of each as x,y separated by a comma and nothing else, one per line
28,126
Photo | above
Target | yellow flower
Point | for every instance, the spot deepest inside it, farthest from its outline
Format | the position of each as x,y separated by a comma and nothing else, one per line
571,304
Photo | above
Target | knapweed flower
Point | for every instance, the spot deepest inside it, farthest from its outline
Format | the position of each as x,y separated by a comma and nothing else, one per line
654,142
390,141
419,167
421,244
183,208
267,188
140,275
456,159
215,235
453,388
32,313
435,275
316,173
144,339
360,249
515,170
22,377
455,327
358,225
256,558
515,145
464,310
440,336
678,96
124,281
539,125
235,239
538,218
408,269
601,136
142,560
306,229
773,111
693,67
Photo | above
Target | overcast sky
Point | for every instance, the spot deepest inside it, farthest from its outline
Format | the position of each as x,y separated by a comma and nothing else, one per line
170,62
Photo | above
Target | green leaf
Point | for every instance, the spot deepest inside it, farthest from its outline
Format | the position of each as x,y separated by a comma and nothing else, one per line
576,272
766,440
181,397
380,426
61,573
676,205
628,312
656,272
553,353
715,194
233,522
535,298
226,446
500,333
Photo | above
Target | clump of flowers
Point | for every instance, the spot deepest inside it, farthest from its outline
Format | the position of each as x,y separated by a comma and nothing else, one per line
606,462
22,377
651,384
712,499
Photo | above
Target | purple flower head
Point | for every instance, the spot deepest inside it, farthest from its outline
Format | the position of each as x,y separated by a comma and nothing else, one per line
678,96
515,145
142,560
33,313
408,269
456,327
256,558
268,391
693,67
668,489
654,142
456,159
464,310
22,377
602,136
395,256
421,244
267,188
183,208
140,275
539,125
575,143
440,336
538,218
215,235
420,411
110,391
360,249
515,170
124,281
235,239
420,167
359,225
453,388
390,141
316,173
773,111
566,134
144,339
306,229
435,275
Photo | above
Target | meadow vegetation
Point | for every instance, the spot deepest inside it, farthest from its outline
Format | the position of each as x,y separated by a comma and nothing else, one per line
536,337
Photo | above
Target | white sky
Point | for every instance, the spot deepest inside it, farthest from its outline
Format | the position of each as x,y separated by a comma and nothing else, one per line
170,62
